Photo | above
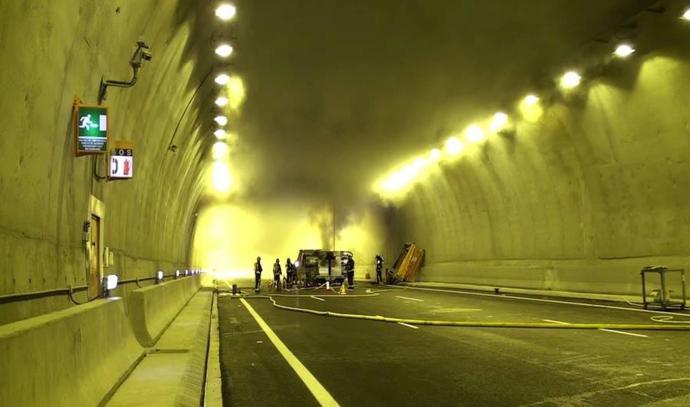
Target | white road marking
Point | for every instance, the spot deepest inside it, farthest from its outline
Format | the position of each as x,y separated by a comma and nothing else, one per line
320,393
623,333
581,304
408,325
316,298
407,298
553,321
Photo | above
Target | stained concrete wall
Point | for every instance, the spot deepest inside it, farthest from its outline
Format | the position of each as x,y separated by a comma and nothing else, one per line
91,349
580,199
53,51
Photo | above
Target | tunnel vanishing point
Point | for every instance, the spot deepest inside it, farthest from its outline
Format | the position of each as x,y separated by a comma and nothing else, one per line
151,150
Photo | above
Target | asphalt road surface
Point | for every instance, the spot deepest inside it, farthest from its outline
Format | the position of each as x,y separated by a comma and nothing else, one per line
371,363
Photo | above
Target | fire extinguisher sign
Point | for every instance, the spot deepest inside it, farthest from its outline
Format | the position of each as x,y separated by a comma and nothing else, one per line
122,161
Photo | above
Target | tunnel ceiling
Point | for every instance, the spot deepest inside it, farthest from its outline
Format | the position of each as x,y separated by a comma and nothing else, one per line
338,92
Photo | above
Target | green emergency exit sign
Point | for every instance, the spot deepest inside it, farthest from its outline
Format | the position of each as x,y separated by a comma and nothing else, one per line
91,129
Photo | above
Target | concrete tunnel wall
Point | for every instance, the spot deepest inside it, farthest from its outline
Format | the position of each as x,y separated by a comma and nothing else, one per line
52,52
578,200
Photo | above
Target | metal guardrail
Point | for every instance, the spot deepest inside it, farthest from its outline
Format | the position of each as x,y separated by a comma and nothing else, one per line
70,290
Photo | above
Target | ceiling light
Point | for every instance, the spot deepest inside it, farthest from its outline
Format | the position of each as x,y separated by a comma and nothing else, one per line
454,146
531,99
220,134
570,80
221,120
220,150
226,11
686,14
435,154
624,51
499,122
474,134
224,50
222,79
221,101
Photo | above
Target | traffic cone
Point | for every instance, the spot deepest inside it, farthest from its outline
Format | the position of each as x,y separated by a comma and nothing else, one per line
342,289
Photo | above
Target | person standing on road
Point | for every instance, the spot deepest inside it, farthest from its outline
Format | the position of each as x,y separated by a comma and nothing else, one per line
290,271
379,269
350,268
277,272
257,274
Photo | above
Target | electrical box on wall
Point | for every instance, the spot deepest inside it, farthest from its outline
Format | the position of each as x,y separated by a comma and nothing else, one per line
121,160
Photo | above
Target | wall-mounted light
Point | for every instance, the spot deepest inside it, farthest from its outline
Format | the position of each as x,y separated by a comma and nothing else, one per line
435,154
224,50
159,276
177,273
221,101
221,120
474,134
220,134
109,283
454,146
531,99
624,50
220,150
499,122
570,80
226,11
222,79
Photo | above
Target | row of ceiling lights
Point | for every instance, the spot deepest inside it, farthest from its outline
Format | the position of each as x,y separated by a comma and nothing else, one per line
220,171
398,180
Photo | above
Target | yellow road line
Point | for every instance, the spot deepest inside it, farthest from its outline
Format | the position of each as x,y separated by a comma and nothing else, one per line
315,387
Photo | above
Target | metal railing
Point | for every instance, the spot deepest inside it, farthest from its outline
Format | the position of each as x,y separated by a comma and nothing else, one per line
71,290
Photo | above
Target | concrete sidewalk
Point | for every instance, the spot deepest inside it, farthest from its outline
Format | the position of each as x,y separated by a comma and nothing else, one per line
173,371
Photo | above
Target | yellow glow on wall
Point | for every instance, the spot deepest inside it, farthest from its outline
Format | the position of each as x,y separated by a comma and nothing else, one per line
435,155
474,134
220,150
235,91
686,15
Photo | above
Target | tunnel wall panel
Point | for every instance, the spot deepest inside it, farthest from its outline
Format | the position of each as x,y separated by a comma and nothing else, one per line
151,309
53,52
579,200
91,347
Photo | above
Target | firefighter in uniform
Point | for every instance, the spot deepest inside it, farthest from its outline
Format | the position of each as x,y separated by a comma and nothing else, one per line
379,269
350,268
257,274
277,272
290,271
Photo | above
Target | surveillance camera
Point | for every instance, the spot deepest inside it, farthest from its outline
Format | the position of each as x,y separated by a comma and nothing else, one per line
146,54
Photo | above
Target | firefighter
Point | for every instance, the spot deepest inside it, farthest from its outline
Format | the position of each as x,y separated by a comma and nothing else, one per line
277,272
290,271
257,274
350,269
379,269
